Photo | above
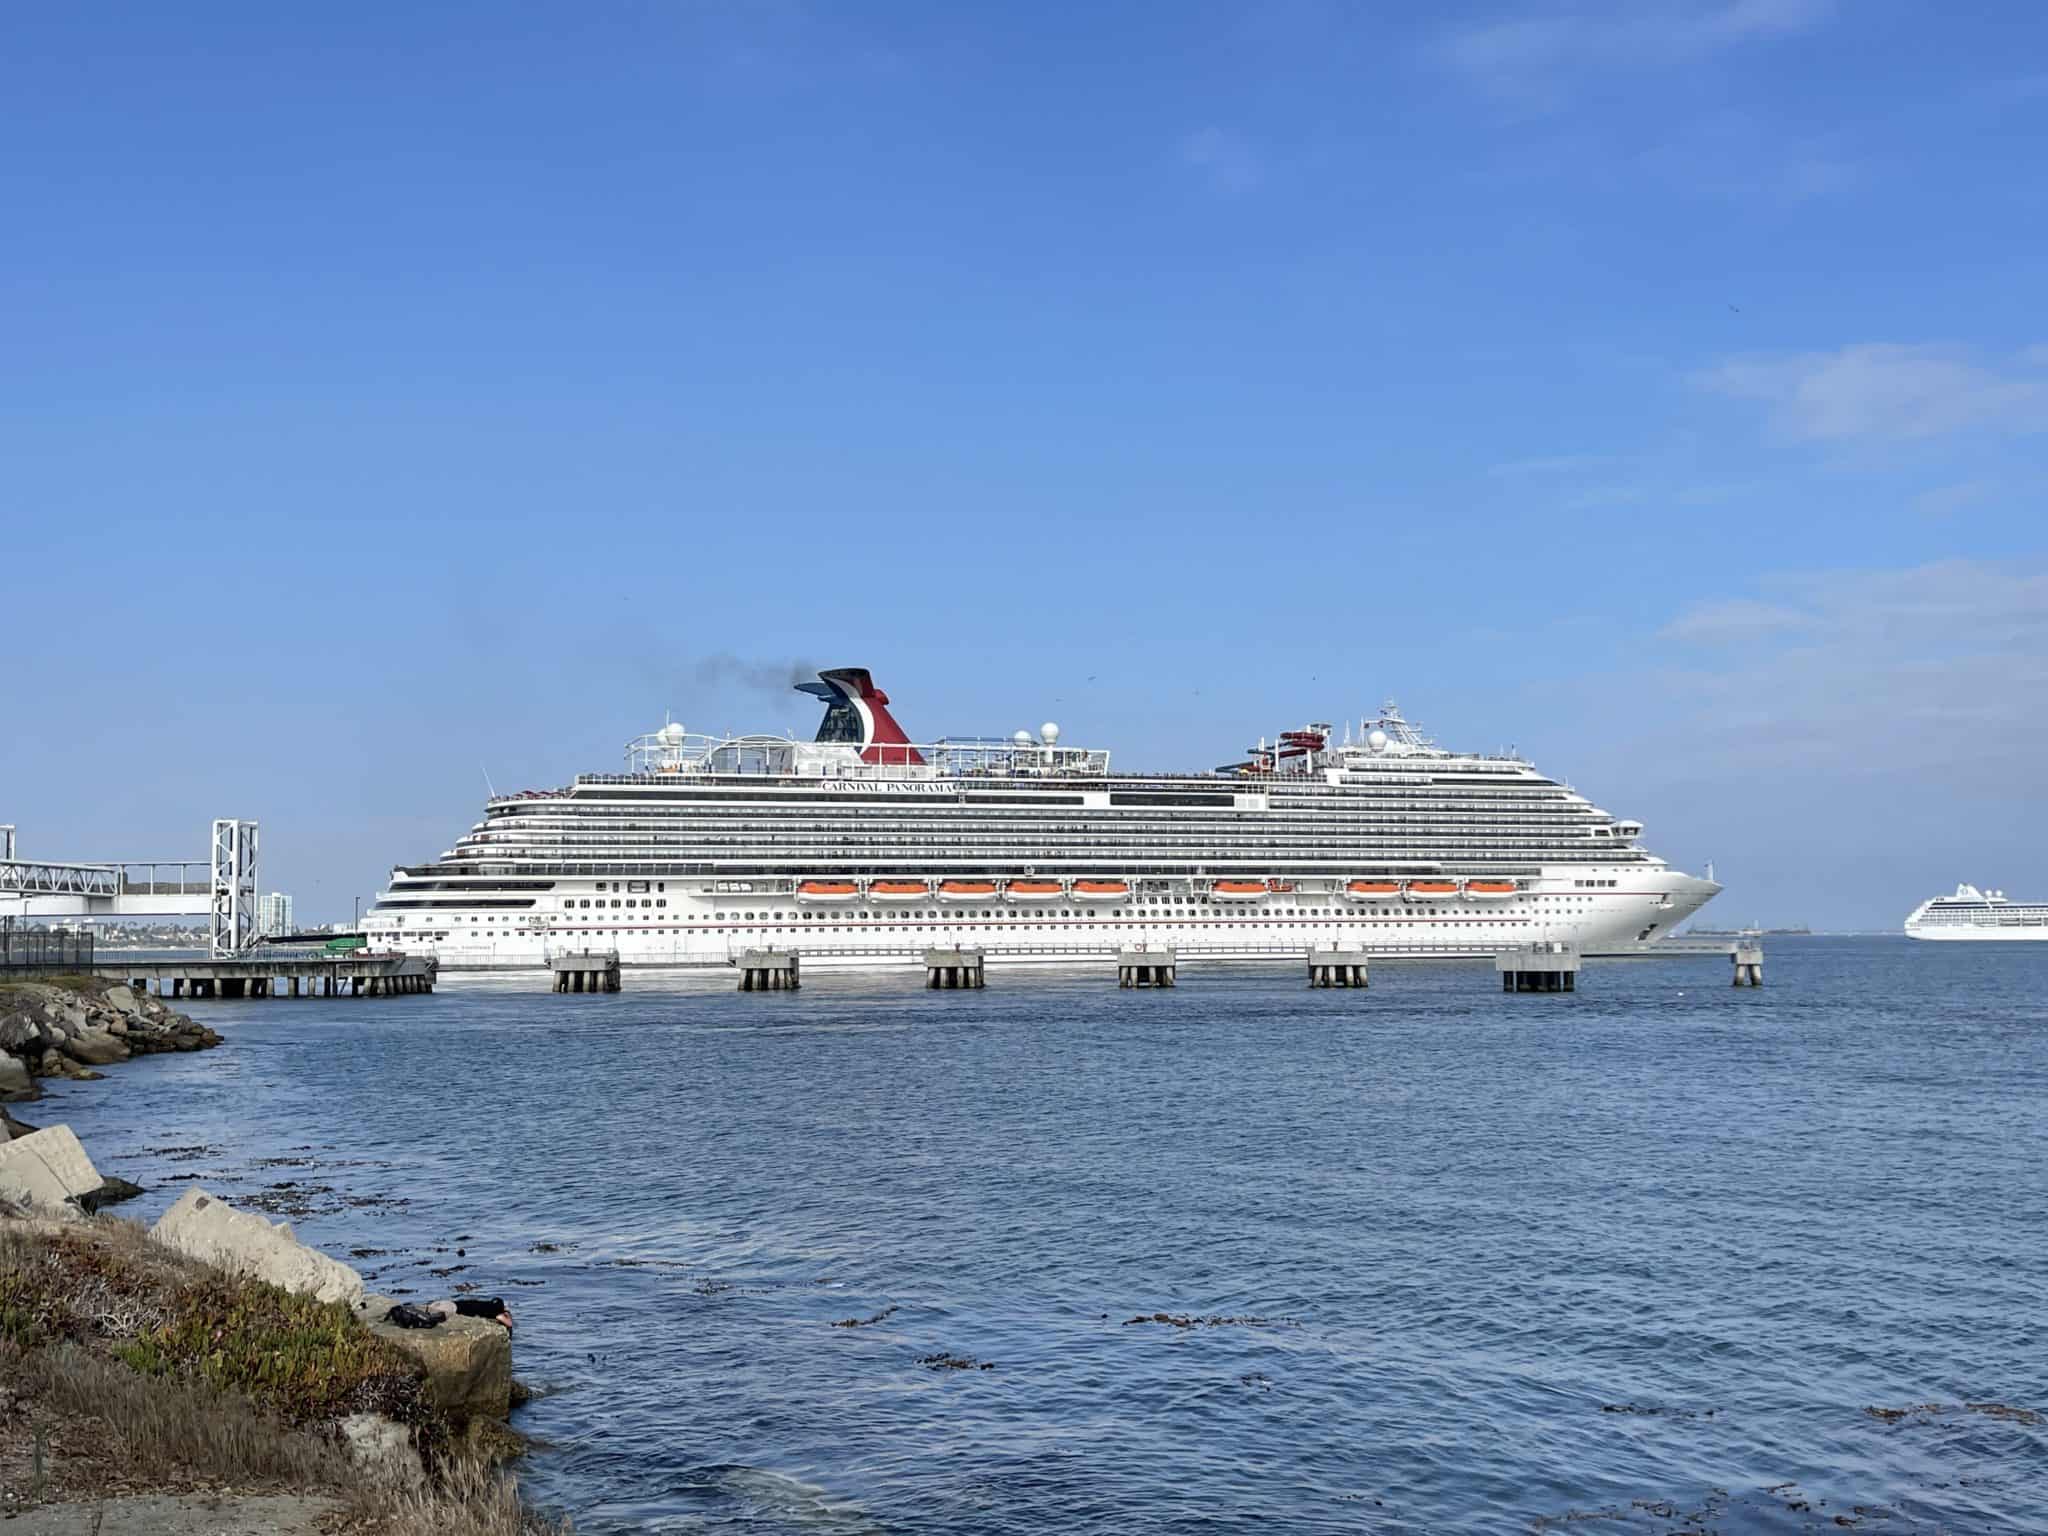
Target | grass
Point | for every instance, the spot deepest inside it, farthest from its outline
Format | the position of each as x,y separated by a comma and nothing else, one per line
69,981
149,1372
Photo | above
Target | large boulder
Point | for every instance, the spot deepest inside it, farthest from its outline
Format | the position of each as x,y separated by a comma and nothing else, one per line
124,999
383,1450
203,1227
15,1082
96,1048
468,1359
48,1172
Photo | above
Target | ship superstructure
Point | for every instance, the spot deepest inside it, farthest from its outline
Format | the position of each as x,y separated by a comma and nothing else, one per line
1972,914
865,847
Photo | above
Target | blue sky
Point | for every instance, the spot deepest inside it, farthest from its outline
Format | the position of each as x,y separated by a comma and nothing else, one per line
402,394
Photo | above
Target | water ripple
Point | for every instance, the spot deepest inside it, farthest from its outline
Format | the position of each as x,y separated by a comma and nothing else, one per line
1637,1260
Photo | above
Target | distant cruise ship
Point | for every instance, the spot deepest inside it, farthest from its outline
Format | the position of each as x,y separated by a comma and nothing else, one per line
1975,914
862,847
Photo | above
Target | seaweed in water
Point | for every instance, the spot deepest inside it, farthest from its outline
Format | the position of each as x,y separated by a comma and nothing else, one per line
952,1362
865,1322
1928,1413
1187,1320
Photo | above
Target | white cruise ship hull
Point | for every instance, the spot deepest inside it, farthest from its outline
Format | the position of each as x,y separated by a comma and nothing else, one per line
698,935
2036,933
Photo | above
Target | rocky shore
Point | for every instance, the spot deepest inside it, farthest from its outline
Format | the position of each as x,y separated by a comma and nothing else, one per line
215,1374
68,1026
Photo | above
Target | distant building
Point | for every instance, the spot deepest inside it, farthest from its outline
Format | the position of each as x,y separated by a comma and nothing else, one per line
274,914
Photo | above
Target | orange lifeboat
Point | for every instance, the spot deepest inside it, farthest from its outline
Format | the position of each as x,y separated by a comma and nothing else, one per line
1432,890
967,890
1238,890
1035,890
898,890
1490,890
1101,890
834,892
1373,890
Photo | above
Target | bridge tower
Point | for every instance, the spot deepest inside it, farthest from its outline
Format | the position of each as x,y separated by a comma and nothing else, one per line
233,926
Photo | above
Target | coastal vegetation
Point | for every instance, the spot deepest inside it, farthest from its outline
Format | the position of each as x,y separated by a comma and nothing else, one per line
130,1369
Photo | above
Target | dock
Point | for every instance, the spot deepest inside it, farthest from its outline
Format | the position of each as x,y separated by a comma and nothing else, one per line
352,975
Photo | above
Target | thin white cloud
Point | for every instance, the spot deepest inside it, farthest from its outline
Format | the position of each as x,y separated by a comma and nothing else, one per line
1553,464
1876,673
1733,621
1222,159
1947,500
1538,61
1886,390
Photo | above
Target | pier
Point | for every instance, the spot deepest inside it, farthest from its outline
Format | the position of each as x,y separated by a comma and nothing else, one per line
769,970
952,968
1337,967
1146,967
586,971
1539,968
283,976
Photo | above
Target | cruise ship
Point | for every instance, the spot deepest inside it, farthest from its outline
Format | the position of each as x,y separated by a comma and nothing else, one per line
864,847
1972,914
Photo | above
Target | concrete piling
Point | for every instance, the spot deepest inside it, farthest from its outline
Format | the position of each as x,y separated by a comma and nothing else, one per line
586,971
1337,967
1146,967
1539,968
949,968
768,970
1749,964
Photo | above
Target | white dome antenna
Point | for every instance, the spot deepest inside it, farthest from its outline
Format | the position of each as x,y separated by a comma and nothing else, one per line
1049,732
672,733
1021,739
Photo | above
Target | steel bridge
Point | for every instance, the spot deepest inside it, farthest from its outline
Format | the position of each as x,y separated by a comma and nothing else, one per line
221,888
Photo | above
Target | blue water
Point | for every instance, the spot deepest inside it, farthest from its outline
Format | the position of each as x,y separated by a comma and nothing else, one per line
1635,1260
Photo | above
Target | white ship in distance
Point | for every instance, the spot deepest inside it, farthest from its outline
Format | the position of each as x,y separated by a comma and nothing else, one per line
864,847
1971,914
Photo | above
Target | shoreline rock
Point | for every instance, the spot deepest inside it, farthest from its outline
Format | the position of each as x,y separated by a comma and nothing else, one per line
67,1026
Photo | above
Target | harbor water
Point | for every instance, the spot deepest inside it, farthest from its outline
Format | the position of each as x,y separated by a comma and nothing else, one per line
1658,1256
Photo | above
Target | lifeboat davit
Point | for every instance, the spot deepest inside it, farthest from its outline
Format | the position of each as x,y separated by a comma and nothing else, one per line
832,892
1432,890
1035,890
1373,890
967,890
1101,890
898,890
1490,890
1238,890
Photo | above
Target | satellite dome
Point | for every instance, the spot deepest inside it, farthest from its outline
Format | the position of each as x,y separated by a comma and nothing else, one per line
672,733
1049,733
1377,741
1021,739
